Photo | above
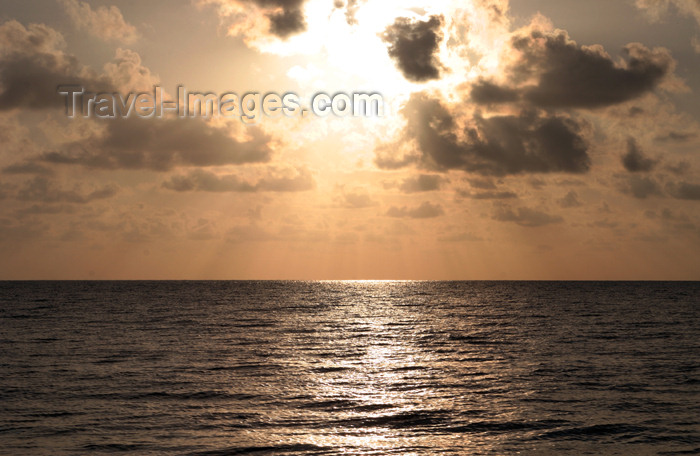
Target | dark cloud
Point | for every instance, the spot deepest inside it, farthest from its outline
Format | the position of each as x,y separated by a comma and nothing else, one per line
206,181
32,67
680,168
635,161
527,217
27,168
41,189
487,93
425,210
492,195
685,191
676,137
482,183
537,183
498,145
570,200
32,81
286,16
554,72
46,208
421,183
413,44
641,187
487,195
161,145
585,76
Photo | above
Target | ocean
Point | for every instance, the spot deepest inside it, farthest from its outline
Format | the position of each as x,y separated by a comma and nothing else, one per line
349,368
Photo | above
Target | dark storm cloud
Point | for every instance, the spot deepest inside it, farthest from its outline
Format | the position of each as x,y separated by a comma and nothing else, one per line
422,183
499,145
286,16
161,145
41,189
685,191
424,211
206,181
526,217
413,45
553,71
635,161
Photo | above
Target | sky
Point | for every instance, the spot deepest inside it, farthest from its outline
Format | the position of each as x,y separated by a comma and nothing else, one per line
524,140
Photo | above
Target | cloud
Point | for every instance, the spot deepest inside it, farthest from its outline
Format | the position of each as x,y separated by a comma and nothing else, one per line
526,217
413,45
421,183
490,195
424,211
482,183
676,136
505,144
33,39
641,187
680,168
253,19
657,9
162,145
351,7
487,93
634,160
127,73
286,16
32,65
570,200
356,200
13,231
685,191
106,23
4,190
27,168
41,189
206,181
553,71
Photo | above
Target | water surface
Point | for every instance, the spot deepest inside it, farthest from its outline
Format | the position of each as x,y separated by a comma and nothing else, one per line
352,368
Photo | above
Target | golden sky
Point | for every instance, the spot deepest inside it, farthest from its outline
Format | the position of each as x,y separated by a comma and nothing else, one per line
535,140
